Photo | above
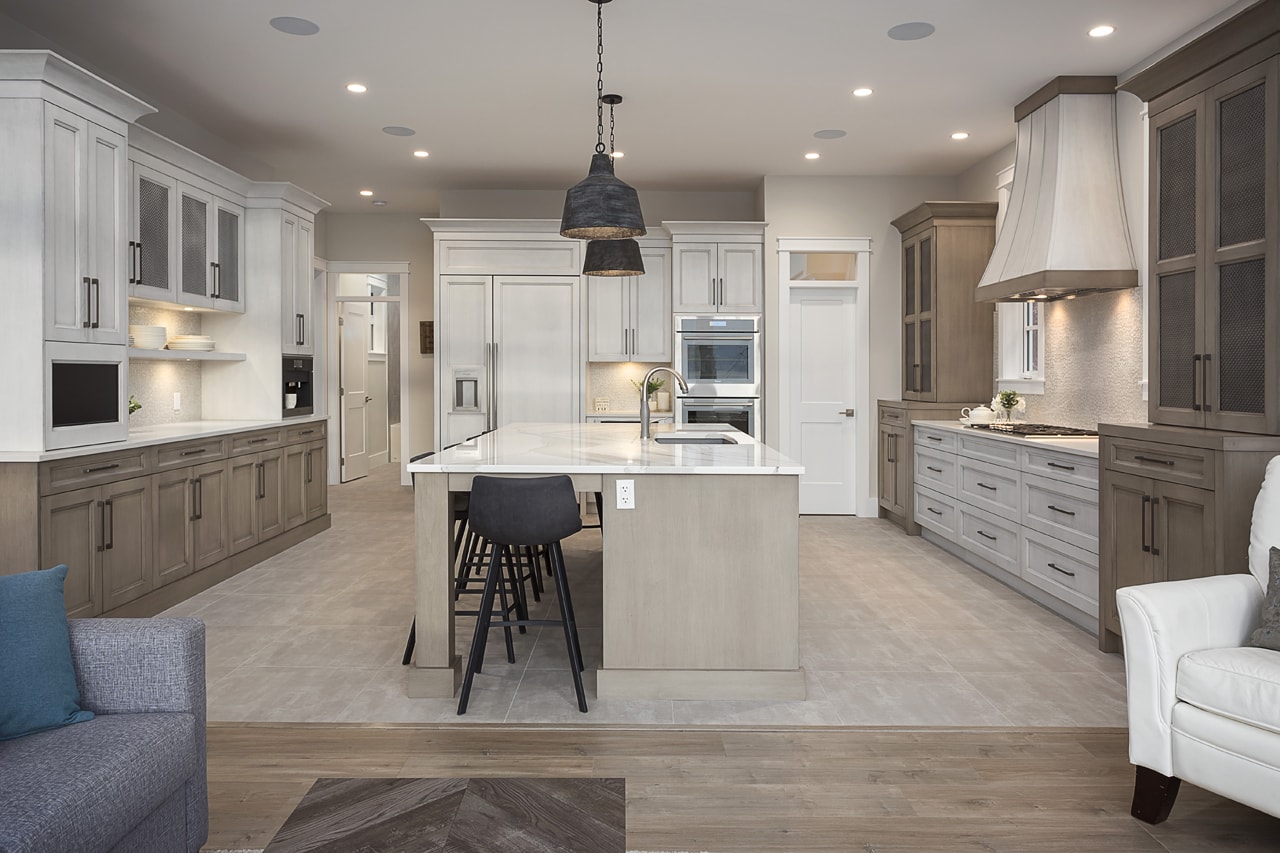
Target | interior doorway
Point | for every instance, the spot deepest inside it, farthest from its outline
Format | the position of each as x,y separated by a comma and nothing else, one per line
367,391
824,373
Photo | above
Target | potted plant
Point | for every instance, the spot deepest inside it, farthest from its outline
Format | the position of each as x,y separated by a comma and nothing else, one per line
655,384
1006,403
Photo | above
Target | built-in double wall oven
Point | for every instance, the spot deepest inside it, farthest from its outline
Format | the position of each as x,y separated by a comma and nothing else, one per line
719,357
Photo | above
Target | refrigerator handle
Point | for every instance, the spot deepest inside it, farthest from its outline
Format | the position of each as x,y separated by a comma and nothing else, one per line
493,389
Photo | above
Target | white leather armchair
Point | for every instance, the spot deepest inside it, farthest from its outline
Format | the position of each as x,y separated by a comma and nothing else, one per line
1203,707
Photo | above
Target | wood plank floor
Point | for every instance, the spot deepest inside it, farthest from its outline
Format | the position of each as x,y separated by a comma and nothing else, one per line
744,790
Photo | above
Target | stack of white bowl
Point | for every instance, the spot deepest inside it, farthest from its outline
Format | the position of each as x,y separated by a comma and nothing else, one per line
147,337
197,343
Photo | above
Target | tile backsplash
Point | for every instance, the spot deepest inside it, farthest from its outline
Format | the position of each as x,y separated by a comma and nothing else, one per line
613,380
153,383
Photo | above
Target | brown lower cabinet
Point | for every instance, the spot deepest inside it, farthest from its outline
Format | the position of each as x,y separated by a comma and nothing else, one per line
123,536
1174,503
103,535
896,455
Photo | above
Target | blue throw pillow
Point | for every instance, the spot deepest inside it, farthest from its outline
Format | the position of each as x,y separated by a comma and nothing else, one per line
37,682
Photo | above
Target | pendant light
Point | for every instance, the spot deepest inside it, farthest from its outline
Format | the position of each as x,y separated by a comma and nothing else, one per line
600,206
613,257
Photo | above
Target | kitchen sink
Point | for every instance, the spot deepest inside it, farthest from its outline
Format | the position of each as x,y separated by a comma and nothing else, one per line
693,438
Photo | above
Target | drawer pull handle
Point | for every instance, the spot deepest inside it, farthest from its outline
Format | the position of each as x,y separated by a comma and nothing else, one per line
934,470
1064,571
1154,460
985,486
1060,466
985,535
195,452
307,432
96,468
258,440
934,511
934,437
1063,511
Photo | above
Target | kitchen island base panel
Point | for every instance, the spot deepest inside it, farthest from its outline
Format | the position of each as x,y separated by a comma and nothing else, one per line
1084,621
700,684
435,682
703,574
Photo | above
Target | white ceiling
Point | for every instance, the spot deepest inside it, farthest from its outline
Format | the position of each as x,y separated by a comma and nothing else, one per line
502,93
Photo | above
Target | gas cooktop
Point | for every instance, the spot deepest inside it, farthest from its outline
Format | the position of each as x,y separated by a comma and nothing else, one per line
1037,430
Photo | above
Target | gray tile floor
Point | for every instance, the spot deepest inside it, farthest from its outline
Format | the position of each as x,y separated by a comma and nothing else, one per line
893,632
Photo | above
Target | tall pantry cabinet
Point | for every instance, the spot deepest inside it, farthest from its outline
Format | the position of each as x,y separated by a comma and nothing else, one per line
1176,495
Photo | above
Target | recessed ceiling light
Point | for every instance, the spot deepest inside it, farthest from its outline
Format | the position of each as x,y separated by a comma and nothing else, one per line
812,155
366,192
295,26
420,153
911,31
396,130
357,88
959,134
862,92
1102,30
377,202
830,134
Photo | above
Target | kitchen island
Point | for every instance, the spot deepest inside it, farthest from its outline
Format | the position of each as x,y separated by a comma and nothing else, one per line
701,588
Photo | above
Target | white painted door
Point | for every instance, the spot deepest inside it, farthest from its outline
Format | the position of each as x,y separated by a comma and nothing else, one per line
823,366
609,318
536,362
355,394
741,278
694,270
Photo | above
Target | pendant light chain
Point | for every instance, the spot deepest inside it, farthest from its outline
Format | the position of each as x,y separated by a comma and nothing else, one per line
611,128
599,78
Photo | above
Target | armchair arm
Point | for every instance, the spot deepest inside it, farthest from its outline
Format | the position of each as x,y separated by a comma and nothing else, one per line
126,666
1160,623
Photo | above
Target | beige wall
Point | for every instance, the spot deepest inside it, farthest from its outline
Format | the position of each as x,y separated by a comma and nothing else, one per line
846,207
396,237
657,205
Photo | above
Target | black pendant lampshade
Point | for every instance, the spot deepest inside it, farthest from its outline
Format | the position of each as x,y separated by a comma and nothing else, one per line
613,257
602,207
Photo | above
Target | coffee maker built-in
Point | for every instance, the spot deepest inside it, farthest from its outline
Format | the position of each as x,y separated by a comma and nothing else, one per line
297,383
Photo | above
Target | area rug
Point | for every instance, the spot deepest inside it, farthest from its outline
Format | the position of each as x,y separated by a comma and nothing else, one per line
494,815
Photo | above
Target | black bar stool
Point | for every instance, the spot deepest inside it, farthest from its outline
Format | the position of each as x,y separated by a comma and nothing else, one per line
513,513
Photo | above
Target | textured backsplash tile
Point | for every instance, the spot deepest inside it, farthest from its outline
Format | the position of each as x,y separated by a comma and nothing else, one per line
613,380
1092,361
152,383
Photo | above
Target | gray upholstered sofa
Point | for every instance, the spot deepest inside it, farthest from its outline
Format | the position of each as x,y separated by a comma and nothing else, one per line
132,778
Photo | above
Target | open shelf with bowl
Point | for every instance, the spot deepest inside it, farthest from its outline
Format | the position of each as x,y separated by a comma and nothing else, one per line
136,354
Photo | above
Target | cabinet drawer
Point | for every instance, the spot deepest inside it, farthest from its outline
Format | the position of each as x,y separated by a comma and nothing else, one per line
310,432
989,487
80,471
993,538
263,439
892,416
936,470
988,449
938,439
1061,510
1081,470
190,453
1171,463
936,512
1062,571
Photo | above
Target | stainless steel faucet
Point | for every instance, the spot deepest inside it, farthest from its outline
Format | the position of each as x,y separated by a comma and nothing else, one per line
644,397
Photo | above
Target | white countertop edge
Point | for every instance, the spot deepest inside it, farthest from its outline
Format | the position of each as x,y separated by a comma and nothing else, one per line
1086,446
158,434
421,468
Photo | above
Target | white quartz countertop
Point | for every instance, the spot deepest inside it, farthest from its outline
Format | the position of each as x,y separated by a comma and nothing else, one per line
592,448
1078,446
158,434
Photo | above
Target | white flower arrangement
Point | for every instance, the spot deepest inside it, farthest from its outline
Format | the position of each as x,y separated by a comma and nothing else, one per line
1009,401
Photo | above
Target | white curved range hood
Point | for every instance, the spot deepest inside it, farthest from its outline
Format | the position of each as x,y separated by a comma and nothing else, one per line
1065,231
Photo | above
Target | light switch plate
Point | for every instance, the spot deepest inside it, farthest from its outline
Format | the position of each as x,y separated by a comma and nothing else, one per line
602,404
177,401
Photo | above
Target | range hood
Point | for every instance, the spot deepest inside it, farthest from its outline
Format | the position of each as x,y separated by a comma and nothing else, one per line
1064,230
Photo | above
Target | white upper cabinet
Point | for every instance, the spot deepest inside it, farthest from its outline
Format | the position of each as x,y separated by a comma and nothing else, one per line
297,235
153,272
630,316
85,186
211,264
717,267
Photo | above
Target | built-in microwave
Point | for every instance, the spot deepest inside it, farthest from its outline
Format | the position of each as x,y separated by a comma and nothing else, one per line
719,356
86,394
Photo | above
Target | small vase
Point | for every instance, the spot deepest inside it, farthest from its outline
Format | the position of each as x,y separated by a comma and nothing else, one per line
662,401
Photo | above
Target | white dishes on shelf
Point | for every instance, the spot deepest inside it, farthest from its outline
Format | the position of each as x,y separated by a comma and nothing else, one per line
147,337
192,343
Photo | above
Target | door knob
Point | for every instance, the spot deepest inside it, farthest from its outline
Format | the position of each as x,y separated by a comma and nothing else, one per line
368,399
848,413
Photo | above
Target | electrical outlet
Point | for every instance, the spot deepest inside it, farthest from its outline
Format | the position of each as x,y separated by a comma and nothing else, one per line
177,401
626,494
